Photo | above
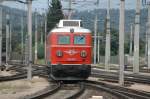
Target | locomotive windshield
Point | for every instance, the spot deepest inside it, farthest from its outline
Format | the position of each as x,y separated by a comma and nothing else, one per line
63,39
80,39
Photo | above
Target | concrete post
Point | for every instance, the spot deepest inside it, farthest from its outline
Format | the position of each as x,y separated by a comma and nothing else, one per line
98,52
146,44
1,35
70,9
22,35
10,40
131,40
95,38
121,42
45,36
41,32
7,37
136,38
29,5
107,48
35,51
148,35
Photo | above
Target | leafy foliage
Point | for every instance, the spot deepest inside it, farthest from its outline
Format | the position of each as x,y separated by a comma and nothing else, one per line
54,14
40,51
114,42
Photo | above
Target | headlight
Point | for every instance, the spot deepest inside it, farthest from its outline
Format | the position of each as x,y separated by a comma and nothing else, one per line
59,53
83,53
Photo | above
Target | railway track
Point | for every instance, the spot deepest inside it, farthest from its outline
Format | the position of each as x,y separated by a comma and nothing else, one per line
22,66
118,91
142,68
23,74
115,75
50,92
107,76
114,90
44,93
122,92
78,93
115,78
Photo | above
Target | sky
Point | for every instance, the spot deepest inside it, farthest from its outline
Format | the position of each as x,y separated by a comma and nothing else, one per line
80,5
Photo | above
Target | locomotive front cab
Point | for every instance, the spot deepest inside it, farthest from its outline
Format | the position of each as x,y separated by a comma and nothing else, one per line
70,54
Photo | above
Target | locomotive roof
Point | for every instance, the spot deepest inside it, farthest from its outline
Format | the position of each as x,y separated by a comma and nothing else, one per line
67,29
69,23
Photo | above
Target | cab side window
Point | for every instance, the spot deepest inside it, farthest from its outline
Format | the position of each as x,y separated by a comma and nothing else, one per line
79,39
63,39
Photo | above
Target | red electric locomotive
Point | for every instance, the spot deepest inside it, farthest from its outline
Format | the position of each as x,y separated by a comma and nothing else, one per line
69,51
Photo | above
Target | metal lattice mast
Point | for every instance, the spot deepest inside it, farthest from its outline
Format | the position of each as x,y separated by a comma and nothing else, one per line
121,41
107,48
1,36
136,38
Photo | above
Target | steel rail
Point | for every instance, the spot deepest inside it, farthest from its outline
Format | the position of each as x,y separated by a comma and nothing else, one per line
21,76
44,93
98,87
129,93
78,93
127,78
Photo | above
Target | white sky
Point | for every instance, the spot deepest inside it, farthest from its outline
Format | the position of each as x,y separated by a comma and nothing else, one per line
42,4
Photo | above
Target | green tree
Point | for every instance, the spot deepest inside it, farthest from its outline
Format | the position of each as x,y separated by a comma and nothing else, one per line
114,42
40,51
55,13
